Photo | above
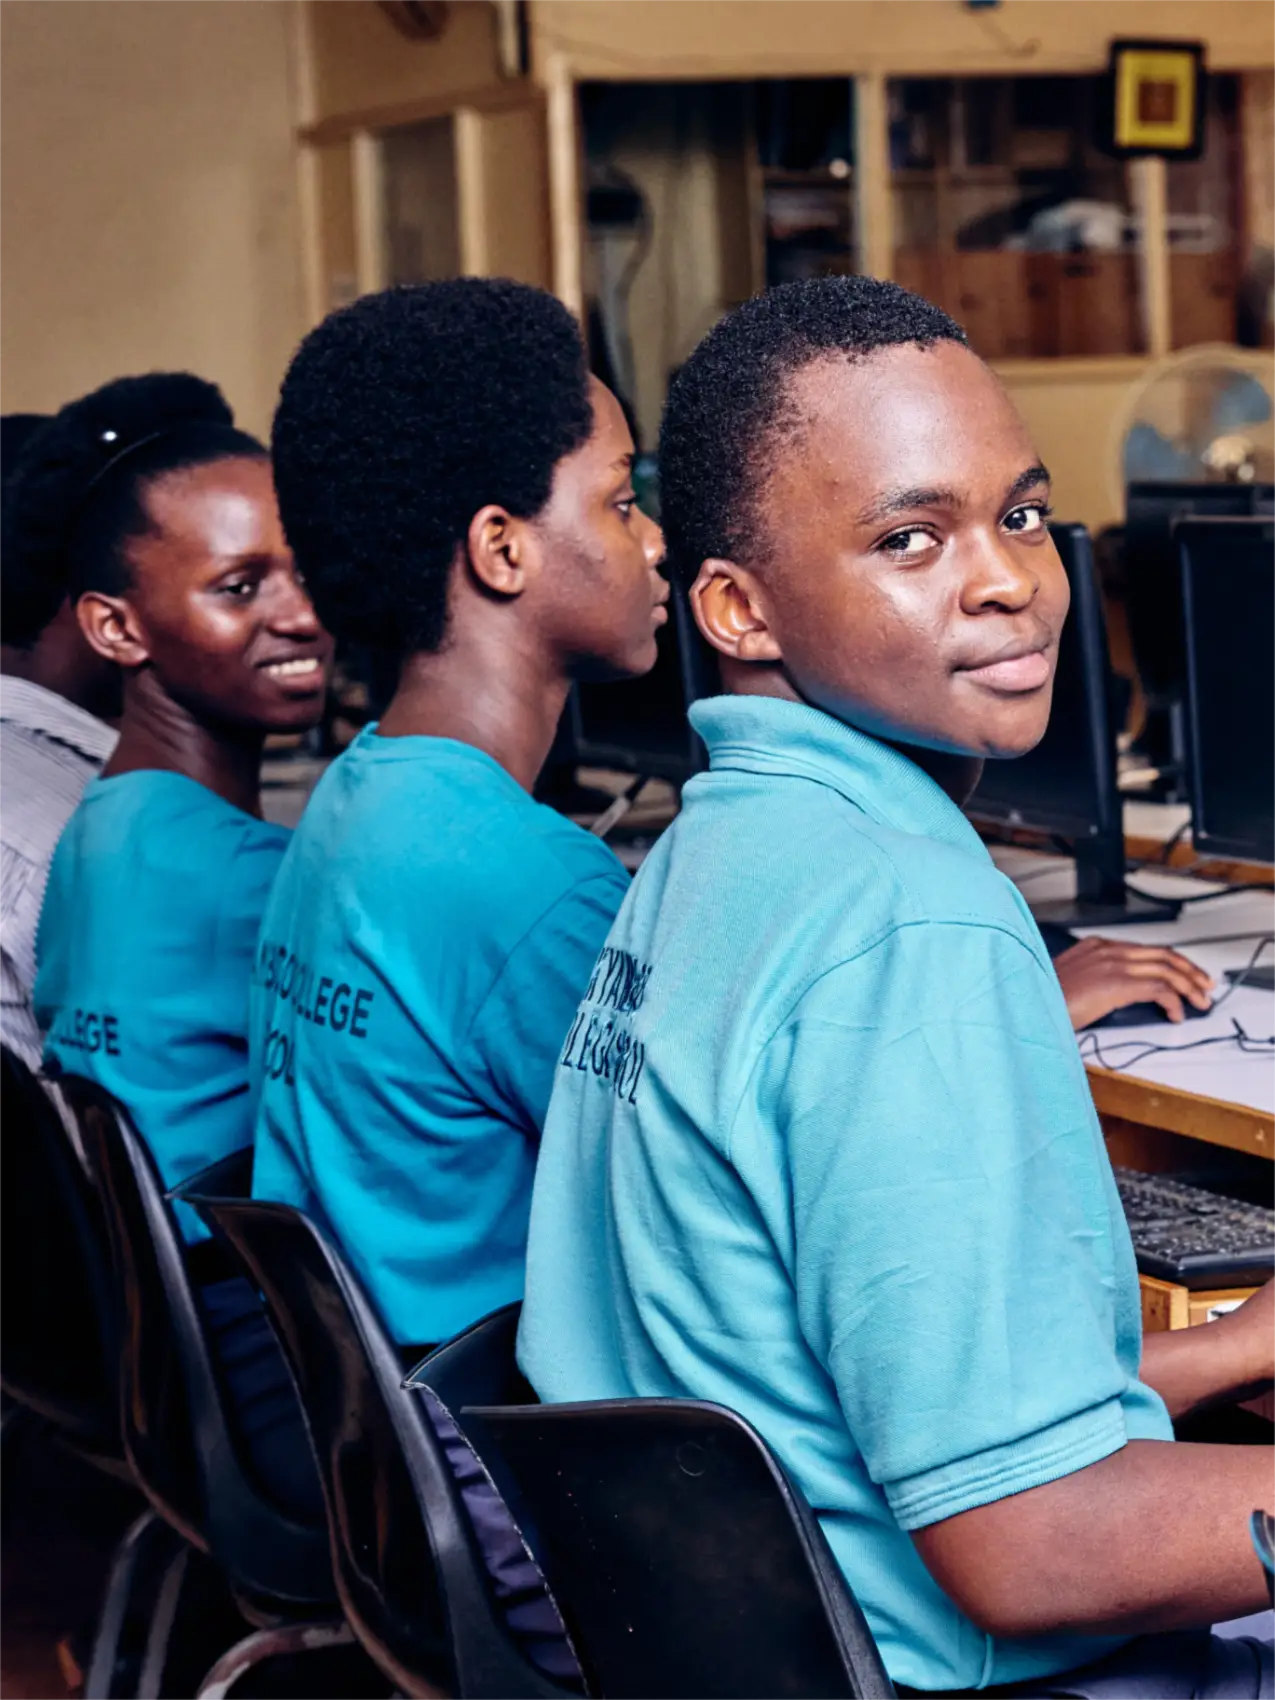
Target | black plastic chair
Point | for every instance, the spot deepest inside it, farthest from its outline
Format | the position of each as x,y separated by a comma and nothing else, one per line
477,1366
684,1561
409,1574
177,1433
58,1342
1261,1528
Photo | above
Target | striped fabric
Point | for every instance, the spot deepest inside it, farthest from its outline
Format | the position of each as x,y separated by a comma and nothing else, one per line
49,750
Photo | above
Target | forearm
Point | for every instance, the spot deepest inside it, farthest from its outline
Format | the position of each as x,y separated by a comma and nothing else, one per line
1154,1537
1190,1367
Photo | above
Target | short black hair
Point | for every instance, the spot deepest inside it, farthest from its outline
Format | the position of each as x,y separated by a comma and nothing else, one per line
401,416
728,405
75,495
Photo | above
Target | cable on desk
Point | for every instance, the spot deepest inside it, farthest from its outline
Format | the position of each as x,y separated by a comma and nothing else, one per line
1097,1053
1243,974
1200,897
1161,859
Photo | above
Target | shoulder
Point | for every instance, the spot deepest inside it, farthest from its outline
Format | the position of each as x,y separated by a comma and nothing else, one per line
153,825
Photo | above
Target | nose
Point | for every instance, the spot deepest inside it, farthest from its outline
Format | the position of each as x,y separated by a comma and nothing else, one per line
998,579
291,611
652,543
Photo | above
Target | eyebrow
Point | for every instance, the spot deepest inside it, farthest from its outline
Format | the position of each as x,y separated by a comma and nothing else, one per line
893,502
624,464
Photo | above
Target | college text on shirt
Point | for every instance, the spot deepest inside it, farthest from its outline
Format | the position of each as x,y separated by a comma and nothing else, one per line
86,1030
324,1000
601,1040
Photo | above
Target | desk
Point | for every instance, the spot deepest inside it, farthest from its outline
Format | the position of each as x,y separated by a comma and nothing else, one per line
1148,827
1153,1110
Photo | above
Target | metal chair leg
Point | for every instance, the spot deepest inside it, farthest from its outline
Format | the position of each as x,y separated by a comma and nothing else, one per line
148,1543
270,1644
160,1629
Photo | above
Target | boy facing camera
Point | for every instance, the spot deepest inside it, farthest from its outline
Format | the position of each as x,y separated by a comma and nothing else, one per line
856,1189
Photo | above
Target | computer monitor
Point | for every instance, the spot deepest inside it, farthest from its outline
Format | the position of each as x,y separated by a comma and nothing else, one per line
1154,603
1228,605
640,725
1066,787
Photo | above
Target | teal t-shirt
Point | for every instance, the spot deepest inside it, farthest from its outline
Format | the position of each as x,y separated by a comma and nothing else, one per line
145,951
421,957
821,1149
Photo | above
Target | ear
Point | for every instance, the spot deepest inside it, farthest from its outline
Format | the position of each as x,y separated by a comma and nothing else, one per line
500,553
730,610
112,629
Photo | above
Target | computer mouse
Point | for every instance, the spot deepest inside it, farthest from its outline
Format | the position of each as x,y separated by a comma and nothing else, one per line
1143,1014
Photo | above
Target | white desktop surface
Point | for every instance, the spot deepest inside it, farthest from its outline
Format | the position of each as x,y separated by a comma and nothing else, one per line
1220,1071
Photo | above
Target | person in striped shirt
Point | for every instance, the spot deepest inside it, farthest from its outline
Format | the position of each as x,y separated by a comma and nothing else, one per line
56,697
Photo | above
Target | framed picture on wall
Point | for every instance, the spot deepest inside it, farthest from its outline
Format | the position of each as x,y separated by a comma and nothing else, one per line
1155,99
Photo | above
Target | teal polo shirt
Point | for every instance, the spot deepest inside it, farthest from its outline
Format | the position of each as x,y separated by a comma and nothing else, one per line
424,948
145,953
821,1149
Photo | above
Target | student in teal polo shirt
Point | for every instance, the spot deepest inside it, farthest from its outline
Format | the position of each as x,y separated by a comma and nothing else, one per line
459,494
820,1146
161,517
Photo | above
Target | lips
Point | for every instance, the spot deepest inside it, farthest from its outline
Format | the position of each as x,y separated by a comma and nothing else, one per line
1025,671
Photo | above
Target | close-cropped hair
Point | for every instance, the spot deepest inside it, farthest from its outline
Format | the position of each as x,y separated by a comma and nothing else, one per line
76,495
729,411
401,417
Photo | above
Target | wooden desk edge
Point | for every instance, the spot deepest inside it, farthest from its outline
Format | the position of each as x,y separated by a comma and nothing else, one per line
1174,1110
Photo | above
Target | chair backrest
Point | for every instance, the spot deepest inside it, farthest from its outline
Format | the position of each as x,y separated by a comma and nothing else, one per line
59,1348
684,1561
177,1433
1261,1528
478,1366
409,1575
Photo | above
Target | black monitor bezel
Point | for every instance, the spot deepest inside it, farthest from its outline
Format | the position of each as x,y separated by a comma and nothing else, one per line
1089,629
1203,840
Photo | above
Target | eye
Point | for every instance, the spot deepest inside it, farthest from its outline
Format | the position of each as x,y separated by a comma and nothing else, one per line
626,505
908,544
239,589
1029,518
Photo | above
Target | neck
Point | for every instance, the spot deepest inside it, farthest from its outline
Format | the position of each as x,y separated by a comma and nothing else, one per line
49,667
503,698
157,733
957,775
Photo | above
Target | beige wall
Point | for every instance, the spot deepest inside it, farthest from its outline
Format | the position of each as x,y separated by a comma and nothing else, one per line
776,38
150,200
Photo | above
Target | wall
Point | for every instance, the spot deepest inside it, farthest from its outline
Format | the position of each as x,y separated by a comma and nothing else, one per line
721,38
362,63
150,197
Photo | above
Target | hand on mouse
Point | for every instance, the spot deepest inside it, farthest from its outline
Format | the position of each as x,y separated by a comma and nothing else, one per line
1099,975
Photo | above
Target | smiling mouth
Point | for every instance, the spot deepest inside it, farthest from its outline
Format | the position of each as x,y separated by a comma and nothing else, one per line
304,667
1013,674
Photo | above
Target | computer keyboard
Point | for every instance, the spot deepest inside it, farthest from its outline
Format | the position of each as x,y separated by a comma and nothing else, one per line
1199,1240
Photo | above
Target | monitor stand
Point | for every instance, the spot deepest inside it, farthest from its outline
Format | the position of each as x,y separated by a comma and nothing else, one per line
1103,898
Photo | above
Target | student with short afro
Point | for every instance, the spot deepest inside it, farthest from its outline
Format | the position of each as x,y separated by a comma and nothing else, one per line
457,490
853,1186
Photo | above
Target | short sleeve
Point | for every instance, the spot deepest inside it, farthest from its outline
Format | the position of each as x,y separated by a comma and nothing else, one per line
953,1250
518,1033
